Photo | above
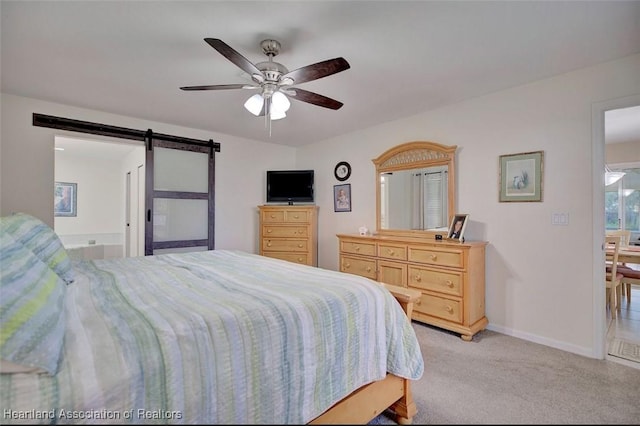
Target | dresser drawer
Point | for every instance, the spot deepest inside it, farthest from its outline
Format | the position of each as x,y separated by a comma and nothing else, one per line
448,282
358,266
284,231
394,273
301,258
272,216
392,251
296,216
285,215
450,310
436,256
358,247
269,244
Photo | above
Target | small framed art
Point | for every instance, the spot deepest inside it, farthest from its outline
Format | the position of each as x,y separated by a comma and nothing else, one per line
65,198
342,197
521,176
457,227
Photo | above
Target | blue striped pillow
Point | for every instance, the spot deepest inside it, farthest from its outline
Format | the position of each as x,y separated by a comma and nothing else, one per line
38,237
32,319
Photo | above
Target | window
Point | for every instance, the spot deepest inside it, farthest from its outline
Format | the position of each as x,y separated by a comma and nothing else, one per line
622,202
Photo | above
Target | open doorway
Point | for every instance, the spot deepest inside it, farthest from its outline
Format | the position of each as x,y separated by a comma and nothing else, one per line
622,213
109,182
622,158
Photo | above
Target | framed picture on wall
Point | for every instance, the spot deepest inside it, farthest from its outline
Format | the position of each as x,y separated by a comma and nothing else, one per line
65,199
521,176
342,198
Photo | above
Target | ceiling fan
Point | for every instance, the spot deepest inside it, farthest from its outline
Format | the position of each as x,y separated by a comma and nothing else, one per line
275,81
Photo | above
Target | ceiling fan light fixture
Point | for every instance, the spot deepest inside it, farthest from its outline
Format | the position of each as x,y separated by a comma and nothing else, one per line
254,104
611,177
277,115
279,102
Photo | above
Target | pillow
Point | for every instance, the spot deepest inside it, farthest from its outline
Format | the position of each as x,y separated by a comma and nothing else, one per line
31,311
38,237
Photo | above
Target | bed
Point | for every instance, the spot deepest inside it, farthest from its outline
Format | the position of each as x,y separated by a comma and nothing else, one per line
219,336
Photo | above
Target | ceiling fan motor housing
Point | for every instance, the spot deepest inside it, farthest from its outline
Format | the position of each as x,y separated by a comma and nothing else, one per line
272,70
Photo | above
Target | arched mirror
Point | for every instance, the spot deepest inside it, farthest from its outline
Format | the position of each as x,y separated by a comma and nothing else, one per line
415,188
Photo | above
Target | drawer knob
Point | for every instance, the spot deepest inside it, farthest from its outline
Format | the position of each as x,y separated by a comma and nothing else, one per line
449,283
296,217
300,245
368,269
300,260
356,248
418,278
347,265
273,216
391,252
269,231
269,244
448,309
434,257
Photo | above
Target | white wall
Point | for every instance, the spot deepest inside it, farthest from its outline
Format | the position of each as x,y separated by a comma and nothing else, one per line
539,278
100,195
27,168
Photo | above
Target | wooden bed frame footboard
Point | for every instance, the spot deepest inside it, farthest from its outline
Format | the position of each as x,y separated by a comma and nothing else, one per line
393,392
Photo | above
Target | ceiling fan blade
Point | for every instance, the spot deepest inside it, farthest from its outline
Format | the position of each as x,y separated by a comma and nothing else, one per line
220,87
316,71
232,55
314,98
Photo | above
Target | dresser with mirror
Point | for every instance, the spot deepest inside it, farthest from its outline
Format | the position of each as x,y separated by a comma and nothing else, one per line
415,202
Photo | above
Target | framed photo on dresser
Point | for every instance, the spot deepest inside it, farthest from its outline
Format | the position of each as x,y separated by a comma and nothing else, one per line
457,227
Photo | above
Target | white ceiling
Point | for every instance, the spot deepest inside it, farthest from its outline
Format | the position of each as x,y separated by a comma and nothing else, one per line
406,57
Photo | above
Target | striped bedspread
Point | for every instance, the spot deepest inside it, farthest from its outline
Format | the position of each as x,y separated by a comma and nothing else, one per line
213,337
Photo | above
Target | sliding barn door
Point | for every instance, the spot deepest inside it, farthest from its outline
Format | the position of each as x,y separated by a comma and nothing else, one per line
179,189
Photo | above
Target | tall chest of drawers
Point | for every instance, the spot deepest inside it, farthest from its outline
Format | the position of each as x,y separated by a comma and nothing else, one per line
289,233
449,275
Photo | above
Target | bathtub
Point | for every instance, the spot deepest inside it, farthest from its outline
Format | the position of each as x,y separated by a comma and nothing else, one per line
93,246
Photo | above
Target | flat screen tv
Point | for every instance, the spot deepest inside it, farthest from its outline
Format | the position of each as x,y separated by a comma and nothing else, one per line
291,186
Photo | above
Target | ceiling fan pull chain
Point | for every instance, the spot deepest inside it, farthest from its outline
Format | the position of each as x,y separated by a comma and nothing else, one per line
265,108
268,113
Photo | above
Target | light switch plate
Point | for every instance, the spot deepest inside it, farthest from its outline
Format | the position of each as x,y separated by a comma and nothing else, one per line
561,219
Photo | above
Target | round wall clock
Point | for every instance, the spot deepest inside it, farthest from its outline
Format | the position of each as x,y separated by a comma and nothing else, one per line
342,171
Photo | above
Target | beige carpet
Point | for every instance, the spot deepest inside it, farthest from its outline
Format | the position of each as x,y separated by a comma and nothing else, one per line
500,379
625,349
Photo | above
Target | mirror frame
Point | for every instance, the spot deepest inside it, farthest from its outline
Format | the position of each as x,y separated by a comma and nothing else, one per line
413,155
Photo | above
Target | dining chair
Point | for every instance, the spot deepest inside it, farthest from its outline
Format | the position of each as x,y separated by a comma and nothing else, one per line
613,279
630,275
624,233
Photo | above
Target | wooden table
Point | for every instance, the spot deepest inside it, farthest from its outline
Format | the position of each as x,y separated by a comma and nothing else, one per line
629,254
